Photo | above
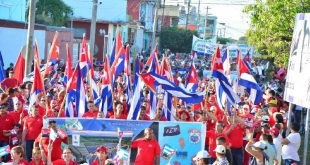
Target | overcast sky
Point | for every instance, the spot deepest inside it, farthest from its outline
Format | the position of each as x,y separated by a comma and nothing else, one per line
227,11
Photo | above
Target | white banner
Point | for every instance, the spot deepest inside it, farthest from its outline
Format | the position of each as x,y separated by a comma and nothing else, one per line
297,87
203,47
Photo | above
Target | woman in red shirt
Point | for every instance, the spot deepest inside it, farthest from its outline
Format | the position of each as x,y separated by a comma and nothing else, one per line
101,153
67,157
37,158
17,153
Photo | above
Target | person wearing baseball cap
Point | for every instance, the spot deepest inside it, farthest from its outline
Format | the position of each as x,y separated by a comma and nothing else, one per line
277,142
101,153
221,159
202,158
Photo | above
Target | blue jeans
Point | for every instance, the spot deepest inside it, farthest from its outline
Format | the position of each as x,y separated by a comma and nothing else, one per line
237,155
212,160
29,147
290,161
2,144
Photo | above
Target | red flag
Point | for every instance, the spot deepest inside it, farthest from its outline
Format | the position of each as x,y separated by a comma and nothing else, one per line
242,68
19,68
53,55
217,60
37,86
90,59
154,59
36,54
127,69
84,53
106,77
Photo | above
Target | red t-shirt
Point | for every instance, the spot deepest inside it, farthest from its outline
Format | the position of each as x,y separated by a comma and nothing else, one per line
16,115
9,83
34,163
235,136
89,114
21,162
62,162
96,162
123,116
147,150
6,123
146,117
34,126
212,135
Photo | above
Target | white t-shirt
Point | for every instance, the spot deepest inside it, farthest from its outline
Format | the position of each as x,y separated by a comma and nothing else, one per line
290,151
278,145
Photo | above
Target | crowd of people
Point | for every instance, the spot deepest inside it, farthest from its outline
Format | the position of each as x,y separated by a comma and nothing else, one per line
250,134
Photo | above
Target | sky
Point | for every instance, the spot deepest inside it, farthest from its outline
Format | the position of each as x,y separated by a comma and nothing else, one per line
227,11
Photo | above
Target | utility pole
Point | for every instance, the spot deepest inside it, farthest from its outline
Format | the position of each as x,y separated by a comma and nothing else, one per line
188,5
163,14
93,27
29,44
155,24
206,22
198,16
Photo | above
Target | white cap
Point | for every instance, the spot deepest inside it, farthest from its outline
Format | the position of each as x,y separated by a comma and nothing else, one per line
220,149
212,108
260,145
201,154
265,118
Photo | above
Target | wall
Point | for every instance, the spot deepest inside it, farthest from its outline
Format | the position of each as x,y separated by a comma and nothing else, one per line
12,41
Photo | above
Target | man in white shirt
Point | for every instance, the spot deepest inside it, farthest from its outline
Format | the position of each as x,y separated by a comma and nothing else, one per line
291,146
277,142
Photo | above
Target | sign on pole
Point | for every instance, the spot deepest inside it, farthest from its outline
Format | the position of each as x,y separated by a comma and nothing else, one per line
203,47
297,87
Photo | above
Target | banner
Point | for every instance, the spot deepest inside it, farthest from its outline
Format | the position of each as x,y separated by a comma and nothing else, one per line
297,87
203,47
179,141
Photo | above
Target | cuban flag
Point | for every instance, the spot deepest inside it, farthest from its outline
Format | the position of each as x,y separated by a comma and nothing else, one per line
37,86
247,58
76,94
222,85
247,80
53,56
5,150
165,71
137,72
134,110
84,61
153,63
68,70
127,74
105,101
153,80
226,64
2,72
168,150
113,52
192,79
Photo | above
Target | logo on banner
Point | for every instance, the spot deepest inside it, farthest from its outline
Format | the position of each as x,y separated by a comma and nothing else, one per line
76,140
194,136
172,130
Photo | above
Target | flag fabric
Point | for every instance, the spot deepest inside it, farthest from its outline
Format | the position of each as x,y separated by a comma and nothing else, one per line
53,55
53,134
5,150
165,69
246,59
2,72
68,71
134,110
19,68
84,61
247,80
226,64
75,89
105,101
37,86
222,85
153,80
168,150
137,72
153,63
113,52
127,74
192,79
36,54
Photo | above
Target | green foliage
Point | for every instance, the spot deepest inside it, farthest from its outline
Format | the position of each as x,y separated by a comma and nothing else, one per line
177,40
53,12
222,40
272,25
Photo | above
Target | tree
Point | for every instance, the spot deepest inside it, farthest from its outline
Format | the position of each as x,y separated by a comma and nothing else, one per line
177,40
222,40
272,25
53,12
